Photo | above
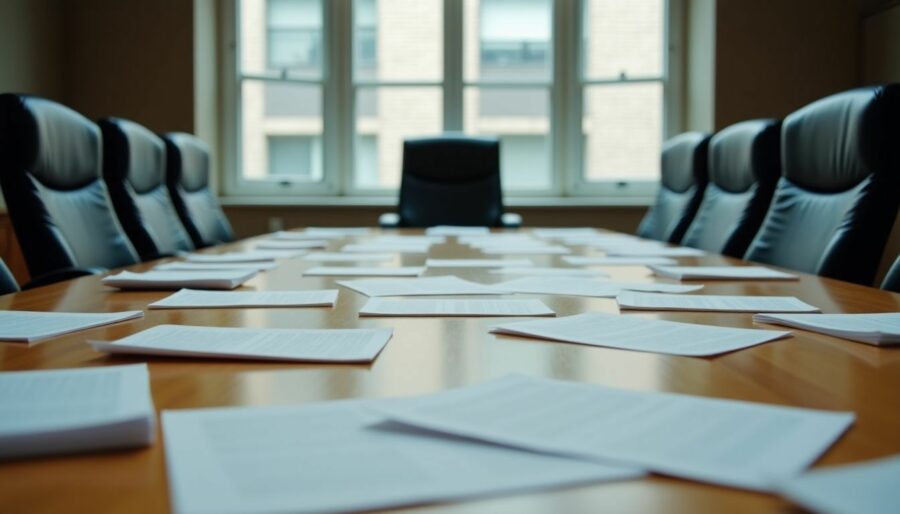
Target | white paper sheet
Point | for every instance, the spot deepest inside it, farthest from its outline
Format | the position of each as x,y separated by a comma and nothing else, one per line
721,273
578,260
422,307
386,247
193,299
476,263
304,345
288,244
881,329
300,236
451,230
217,279
249,256
581,286
341,231
407,239
601,239
211,266
641,334
27,326
350,271
525,250
724,442
335,457
484,240
443,285
624,251
565,232
696,302
542,270
348,257
75,410
871,487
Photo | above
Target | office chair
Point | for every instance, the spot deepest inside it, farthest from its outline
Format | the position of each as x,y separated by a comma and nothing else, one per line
683,180
187,177
50,160
8,284
451,180
840,187
744,166
134,167
892,279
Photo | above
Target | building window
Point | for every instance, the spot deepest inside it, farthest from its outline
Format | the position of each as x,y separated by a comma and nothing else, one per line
327,90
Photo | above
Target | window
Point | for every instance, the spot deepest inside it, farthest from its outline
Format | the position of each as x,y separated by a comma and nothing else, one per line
325,91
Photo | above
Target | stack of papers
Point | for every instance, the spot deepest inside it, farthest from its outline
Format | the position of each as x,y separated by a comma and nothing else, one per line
867,488
346,271
880,329
251,256
721,273
27,326
289,244
348,257
75,410
221,279
451,230
192,299
573,286
303,345
642,251
476,263
541,270
640,334
207,266
444,285
617,261
334,457
671,302
731,443
382,307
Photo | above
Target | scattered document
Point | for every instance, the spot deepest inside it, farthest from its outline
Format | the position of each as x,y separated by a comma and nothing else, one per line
601,239
287,244
348,257
348,271
340,231
565,232
482,240
880,329
407,239
695,302
300,236
721,273
444,285
75,410
218,279
421,307
335,457
654,252
725,442
450,230
210,266
581,286
542,270
577,260
193,299
641,334
526,250
282,344
251,256
387,247
28,326
871,487
476,263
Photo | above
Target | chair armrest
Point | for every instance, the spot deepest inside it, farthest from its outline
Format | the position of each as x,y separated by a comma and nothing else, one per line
511,220
60,275
389,220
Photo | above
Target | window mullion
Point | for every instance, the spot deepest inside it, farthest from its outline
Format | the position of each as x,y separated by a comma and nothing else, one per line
566,94
453,65
338,92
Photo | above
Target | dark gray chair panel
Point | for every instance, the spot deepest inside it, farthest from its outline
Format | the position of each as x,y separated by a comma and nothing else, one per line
892,279
719,216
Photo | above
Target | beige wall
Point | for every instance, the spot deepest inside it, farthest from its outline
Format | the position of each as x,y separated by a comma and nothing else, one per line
699,65
30,47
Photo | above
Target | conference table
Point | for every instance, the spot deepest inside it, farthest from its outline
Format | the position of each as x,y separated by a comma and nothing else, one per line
428,354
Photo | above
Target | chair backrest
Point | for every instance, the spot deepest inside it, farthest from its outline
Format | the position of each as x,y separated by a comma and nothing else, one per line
187,176
8,283
839,192
744,166
134,167
50,172
683,178
892,279
451,180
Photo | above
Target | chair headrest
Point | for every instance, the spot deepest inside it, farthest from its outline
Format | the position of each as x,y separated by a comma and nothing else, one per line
187,160
54,144
451,158
133,153
684,161
745,153
834,143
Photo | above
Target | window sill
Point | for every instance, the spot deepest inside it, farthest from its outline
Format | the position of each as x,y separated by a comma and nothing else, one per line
390,201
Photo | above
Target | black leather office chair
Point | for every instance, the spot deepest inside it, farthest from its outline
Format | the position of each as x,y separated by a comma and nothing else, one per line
451,180
50,160
683,180
134,167
892,279
8,284
187,176
840,187
744,166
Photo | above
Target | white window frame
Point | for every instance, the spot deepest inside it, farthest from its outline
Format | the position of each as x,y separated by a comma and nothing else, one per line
338,110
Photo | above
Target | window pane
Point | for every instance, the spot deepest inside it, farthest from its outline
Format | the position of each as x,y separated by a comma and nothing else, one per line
622,131
391,115
281,131
623,39
282,37
398,40
508,40
520,117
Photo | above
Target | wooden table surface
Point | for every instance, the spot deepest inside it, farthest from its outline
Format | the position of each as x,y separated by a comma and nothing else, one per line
431,354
